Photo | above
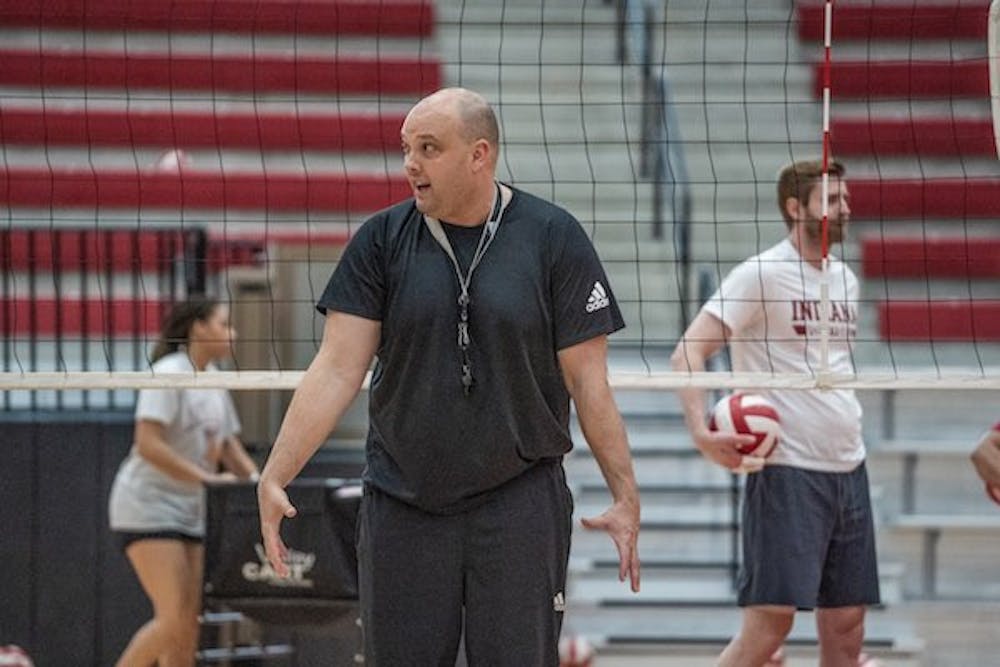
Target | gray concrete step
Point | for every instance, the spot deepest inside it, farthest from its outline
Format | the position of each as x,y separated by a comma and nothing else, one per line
699,589
710,625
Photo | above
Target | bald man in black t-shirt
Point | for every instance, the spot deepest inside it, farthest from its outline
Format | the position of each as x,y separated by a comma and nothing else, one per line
488,311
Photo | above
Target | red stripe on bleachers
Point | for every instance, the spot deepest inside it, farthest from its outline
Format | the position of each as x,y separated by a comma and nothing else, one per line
398,18
953,257
929,136
93,317
200,189
917,78
953,198
940,321
265,131
137,251
287,238
907,20
77,250
392,75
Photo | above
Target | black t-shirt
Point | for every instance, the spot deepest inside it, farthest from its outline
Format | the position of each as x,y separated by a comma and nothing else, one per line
539,288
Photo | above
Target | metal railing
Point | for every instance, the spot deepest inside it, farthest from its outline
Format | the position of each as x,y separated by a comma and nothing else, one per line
662,159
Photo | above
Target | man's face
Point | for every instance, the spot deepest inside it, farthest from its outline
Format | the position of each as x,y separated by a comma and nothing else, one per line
438,161
838,211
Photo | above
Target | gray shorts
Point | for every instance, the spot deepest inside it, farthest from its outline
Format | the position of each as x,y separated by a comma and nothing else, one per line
499,567
808,539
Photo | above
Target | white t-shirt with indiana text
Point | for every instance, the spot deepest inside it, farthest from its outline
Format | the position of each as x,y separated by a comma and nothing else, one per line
771,304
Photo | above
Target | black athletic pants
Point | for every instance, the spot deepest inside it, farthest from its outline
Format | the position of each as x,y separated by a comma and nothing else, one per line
502,563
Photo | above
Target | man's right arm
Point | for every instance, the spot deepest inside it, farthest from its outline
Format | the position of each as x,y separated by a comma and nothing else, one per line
704,337
327,389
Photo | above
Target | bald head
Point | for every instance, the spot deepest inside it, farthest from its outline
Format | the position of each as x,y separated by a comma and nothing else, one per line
471,112
450,144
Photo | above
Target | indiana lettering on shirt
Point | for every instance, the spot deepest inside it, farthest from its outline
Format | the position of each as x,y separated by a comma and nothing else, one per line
806,317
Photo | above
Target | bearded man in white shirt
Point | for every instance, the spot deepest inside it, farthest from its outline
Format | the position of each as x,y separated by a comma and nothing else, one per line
808,536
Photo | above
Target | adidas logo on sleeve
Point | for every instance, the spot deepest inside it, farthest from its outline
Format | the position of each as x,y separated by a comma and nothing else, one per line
598,298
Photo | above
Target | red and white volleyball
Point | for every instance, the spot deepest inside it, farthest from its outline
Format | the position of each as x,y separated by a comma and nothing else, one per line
865,660
575,651
748,414
14,656
173,160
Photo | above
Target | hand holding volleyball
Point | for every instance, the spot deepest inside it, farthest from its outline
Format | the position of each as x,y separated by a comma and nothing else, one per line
751,415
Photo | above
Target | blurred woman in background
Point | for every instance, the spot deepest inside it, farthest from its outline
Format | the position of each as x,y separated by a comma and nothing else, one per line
184,438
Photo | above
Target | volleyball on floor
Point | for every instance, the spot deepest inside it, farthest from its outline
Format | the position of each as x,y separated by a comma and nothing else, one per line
14,656
575,651
748,414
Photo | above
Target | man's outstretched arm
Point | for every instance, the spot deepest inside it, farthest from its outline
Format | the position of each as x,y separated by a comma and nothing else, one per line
329,386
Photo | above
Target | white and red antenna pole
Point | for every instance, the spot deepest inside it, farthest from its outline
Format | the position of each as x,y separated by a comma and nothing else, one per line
824,296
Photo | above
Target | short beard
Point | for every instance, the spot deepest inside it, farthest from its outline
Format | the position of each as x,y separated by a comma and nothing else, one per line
814,230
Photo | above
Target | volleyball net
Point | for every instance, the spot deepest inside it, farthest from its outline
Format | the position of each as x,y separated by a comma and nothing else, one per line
231,149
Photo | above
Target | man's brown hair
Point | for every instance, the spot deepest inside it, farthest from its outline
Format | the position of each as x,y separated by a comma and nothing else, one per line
798,179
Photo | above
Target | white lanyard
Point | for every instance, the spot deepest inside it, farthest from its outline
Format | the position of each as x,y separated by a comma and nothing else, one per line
485,240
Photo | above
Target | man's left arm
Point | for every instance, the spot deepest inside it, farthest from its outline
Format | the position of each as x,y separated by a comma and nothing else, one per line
585,372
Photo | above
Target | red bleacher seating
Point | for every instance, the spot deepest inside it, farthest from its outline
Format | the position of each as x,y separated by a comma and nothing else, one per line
200,129
358,72
943,198
386,75
925,137
92,250
192,189
939,203
98,251
912,20
46,317
953,257
941,321
136,250
883,79
397,18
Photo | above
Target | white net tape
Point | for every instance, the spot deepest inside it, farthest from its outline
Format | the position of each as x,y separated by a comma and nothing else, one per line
286,380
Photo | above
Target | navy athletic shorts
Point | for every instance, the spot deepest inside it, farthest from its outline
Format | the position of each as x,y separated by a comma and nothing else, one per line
808,539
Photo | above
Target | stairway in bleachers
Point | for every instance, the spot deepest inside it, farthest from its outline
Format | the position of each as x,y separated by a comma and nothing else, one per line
570,128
